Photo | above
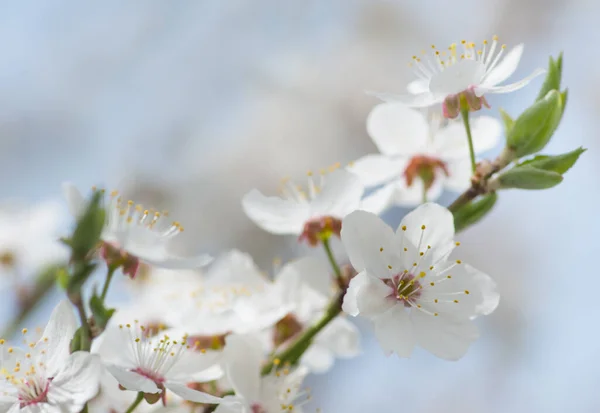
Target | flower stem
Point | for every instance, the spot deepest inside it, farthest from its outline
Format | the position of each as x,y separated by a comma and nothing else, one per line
465,116
424,196
109,275
334,264
136,402
85,332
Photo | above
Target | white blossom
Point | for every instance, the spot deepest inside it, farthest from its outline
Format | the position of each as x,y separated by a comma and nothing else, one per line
408,286
419,154
44,377
137,233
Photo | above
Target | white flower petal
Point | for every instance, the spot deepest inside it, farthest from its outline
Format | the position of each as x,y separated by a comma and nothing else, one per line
233,267
341,337
231,404
421,100
171,262
75,201
394,332
275,215
481,90
370,244
397,129
445,338
410,196
438,232
372,298
457,78
192,395
310,271
459,178
350,305
192,362
8,402
451,142
56,339
418,86
374,170
505,68
131,380
38,408
318,358
243,359
77,382
339,196
381,199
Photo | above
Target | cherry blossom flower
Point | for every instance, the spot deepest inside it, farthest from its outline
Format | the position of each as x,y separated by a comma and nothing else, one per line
273,393
306,213
445,76
419,154
44,377
153,364
409,287
133,234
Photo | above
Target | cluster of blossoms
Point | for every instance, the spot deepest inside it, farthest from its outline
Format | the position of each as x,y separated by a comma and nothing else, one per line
220,335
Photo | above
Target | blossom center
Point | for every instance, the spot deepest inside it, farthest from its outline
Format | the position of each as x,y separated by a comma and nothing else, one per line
149,374
33,390
117,257
406,287
8,259
285,329
424,167
257,408
320,229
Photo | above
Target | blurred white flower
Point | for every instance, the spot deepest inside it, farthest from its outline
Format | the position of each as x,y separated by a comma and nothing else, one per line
44,377
306,284
444,75
408,287
132,233
304,213
275,392
153,363
29,240
419,155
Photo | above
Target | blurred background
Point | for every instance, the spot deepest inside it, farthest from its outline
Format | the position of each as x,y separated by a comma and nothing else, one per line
190,104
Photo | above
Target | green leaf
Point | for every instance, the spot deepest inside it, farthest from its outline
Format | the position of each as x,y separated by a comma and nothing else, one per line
557,163
475,210
553,77
89,227
528,177
534,128
508,121
76,341
100,313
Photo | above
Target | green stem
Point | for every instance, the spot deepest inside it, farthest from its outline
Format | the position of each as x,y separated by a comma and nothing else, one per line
86,333
424,196
336,268
109,275
465,116
136,402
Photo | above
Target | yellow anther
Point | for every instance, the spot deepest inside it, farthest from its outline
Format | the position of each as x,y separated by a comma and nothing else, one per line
10,349
24,331
485,42
418,305
423,227
463,41
114,193
435,314
431,268
467,292
414,264
504,46
157,214
2,341
203,351
276,362
405,249
421,254
422,274
456,301
390,267
458,261
381,249
309,173
433,46
146,212
137,340
435,301
432,283
403,227
495,38
457,243
128,325
449,276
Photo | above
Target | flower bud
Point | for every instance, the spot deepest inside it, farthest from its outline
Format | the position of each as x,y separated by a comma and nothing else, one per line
553,77
474,211
320,229
528,177
89,228
534,128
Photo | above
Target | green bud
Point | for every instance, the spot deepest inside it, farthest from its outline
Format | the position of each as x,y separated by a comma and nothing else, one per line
62,278
76,341
472,212
553,77
534,128
88,229
100,313
508,121
558,163
528,177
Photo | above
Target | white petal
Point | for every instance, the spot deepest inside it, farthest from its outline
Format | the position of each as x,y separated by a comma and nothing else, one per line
275,215
505,68
75,201
131,380
39,408
192,362
481,90
418,86
394,332
310,271
397,129
422,100
243,359
374,170
438,232
77,382
411,196
339,196
457,78
318,358
350,305
459,178
190,394
451,142
381,199
231,404
370,244
372,298
342,337
7,403
173,262
444,338
58,332
234,267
